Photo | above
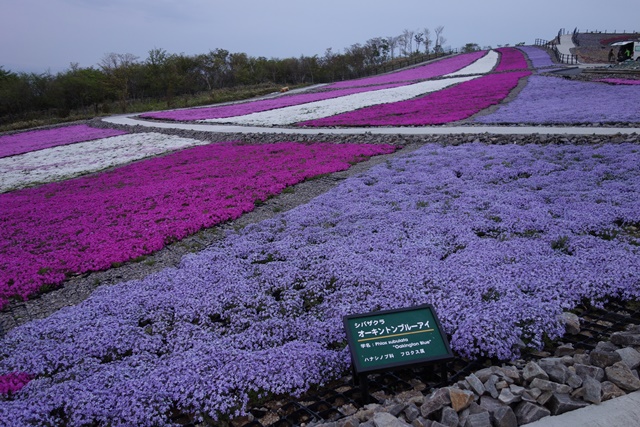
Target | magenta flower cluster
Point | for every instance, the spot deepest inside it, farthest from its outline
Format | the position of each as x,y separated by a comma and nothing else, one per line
90,223
511,59
24,142
13,382
556,100
448,105
500,239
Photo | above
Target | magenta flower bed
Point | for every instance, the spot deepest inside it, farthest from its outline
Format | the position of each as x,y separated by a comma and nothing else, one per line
90,223
257,106
445,106
24,142
620,81
511,59
425,72
13,382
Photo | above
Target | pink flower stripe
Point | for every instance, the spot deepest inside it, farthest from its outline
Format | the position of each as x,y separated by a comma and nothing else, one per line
620,81
445,106
13,382
25,142
92,222
241,109
428,71
511,59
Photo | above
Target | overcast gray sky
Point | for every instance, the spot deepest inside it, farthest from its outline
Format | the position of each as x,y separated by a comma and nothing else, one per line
36,35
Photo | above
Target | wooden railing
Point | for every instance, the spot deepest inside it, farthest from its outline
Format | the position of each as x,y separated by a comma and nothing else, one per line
552,46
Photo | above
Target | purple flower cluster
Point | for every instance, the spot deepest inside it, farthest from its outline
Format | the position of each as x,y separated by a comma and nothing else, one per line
500,239
90,223
433,69
557,100
244,108
13,382
539,57
24,142
620,81
448,105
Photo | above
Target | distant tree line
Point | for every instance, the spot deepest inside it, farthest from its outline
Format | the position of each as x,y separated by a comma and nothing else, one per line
120,78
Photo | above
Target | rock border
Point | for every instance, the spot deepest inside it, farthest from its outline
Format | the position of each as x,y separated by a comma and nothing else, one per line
516,393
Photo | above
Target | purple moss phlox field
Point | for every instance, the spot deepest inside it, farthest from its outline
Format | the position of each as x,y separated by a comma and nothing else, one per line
92,222
25,142
444,106
620,81
539,57
13,382
260,105
424,72
557,100
499,239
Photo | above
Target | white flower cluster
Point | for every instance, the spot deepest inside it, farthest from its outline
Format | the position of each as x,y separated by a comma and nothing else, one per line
68,161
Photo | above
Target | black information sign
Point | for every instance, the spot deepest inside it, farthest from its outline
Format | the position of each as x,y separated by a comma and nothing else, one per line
395,338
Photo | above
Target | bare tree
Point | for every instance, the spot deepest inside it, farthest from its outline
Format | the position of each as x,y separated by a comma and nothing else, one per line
408,36
402,44
439,39
427,40
439,29
419,38
392,42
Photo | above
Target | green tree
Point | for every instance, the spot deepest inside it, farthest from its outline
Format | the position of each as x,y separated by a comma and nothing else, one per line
241,69
214,68
80,88
470,47
156,73
118,69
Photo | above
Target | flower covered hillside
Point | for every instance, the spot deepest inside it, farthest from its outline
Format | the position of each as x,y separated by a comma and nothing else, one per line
499,239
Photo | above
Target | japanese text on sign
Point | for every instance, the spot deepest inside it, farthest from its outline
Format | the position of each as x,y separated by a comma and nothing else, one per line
395,337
